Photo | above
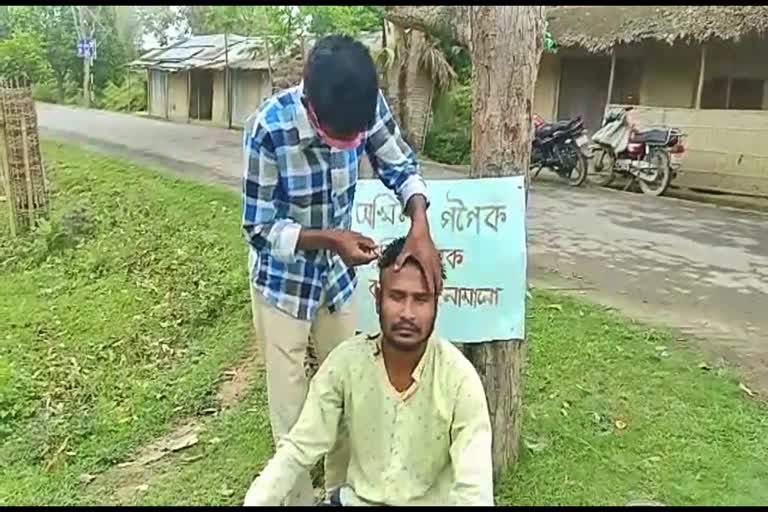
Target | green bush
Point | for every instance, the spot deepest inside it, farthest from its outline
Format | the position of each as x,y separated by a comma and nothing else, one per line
129,97
450,138
45,91
22,55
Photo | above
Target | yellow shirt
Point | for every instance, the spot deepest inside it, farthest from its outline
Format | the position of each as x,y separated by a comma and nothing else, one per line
428,446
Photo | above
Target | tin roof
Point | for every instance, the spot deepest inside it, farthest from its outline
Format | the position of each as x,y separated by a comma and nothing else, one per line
207,52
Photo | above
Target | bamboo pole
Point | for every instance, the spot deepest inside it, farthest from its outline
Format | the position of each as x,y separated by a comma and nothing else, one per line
27,171
269,65
611,78
10,196
189,96
702,70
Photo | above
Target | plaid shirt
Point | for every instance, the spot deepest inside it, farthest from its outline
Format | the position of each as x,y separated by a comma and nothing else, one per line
292,180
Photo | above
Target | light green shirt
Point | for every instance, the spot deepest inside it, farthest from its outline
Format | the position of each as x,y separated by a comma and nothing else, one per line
430,445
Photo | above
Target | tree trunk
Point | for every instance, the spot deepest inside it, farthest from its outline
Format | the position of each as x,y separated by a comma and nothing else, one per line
506,47
505,43
402,82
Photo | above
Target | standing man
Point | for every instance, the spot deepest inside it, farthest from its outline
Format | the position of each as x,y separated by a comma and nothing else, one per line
302,152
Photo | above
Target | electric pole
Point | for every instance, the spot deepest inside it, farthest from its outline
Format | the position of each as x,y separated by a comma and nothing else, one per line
84,36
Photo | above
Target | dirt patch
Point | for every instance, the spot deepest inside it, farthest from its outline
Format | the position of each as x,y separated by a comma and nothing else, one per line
130,479
237,382
125,482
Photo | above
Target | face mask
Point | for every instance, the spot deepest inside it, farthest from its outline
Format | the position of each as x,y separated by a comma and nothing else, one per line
345,144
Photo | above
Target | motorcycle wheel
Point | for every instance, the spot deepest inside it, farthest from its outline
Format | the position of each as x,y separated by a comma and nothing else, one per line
660,160
602,174
578,173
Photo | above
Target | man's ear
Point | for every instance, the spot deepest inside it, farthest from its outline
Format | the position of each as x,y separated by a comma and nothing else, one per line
377,293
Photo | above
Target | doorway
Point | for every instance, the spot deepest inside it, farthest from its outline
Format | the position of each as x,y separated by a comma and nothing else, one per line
584,89
201,95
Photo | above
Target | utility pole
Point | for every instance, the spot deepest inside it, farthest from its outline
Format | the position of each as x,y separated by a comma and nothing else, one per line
84,35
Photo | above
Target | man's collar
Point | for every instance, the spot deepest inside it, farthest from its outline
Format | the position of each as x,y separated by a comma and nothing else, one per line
419,370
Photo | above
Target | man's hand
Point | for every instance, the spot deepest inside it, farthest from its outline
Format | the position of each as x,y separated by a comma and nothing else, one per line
354,248
419,246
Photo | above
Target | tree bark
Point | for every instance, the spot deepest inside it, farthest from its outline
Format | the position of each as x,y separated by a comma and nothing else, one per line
506,45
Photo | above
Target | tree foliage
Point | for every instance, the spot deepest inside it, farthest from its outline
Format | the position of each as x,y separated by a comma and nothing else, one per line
342,19
56,33
22,55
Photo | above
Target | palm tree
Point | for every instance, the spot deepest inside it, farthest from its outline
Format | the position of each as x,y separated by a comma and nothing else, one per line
423,70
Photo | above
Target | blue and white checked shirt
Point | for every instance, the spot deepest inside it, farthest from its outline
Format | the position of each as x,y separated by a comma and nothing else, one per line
292,180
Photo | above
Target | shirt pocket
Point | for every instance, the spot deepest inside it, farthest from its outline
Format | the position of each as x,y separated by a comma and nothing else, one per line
302,179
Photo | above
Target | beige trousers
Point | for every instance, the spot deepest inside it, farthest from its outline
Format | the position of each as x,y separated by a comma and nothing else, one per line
285,341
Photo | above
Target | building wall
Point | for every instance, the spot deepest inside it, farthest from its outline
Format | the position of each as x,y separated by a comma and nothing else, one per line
545,93
670,76
723,147
178,96
157,93
249,89
219,115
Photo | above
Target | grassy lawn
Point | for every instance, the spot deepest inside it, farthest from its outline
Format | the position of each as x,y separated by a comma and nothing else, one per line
119,317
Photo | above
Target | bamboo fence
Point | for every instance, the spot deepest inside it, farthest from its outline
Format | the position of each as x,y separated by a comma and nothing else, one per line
22,174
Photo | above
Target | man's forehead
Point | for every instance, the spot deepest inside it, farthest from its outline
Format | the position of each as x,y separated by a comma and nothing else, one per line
410,277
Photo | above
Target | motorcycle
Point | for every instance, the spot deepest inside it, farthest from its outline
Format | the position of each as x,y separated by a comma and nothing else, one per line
650,157
562,147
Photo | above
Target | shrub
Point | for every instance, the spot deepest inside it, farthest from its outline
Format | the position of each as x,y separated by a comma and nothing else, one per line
129,97
450,138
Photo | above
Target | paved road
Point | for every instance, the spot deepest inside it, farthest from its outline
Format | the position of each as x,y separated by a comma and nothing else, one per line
699,268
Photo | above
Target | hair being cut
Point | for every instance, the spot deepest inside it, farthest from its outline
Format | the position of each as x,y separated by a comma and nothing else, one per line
342,84
393,250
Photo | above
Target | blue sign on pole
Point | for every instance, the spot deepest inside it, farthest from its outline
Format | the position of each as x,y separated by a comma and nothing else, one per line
479,228
86,48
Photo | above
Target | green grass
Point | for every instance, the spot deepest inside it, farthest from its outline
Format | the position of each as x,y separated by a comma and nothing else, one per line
116,319
119,316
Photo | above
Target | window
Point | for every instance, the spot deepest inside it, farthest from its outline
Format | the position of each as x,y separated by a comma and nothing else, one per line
746,94
732,93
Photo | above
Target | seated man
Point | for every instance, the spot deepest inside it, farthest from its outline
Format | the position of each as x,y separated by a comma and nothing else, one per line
413,407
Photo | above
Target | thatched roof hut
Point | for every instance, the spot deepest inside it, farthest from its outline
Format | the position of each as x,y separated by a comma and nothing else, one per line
600,28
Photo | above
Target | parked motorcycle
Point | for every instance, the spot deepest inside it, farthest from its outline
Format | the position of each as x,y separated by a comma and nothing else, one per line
650,157
562,147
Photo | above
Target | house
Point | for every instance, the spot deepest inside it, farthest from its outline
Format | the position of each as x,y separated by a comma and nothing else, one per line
702,69
187,80
203,79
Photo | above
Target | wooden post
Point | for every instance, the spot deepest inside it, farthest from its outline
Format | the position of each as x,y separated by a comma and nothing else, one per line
269,63
6,172
728,86
149,92
702,70
189,96
611,77
227,81
31,206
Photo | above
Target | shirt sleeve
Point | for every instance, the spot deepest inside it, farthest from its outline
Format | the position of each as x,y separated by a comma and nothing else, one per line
313,435
392,159
470,449
261,228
